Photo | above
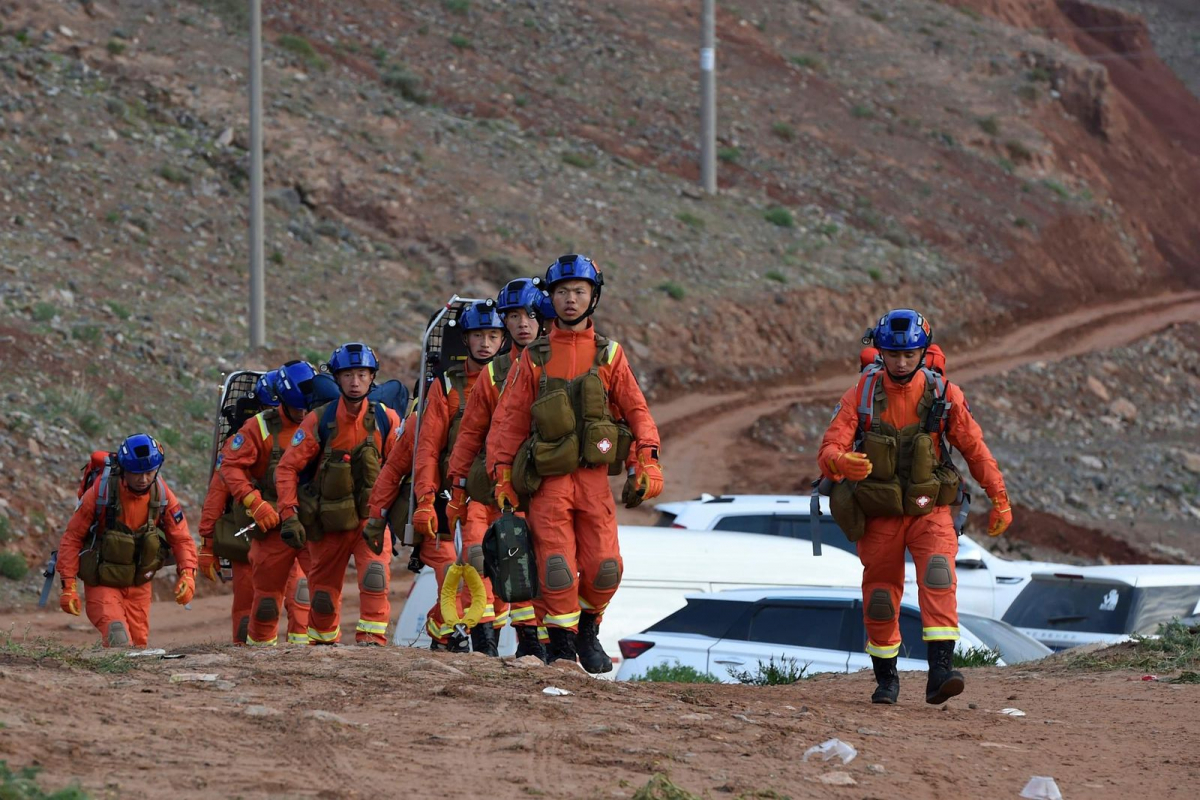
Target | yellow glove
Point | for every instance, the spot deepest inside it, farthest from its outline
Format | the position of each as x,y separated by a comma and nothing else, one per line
1000,517
456,509
68,601
208,561
373,534
185,587
852,466
648,474
506,493
265,515
424,519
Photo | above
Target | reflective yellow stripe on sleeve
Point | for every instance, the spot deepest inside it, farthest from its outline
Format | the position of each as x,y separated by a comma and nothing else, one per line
262,427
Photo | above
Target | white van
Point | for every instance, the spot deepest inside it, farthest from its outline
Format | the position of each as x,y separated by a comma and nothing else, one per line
662,567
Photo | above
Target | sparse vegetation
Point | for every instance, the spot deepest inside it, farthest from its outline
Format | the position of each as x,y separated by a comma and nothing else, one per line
729,155
776,275
676,673
198,408
174,174
783,130
690,219
580,160
976,657
828,229
5,529
778,215
303,50
1017,151
89,334
674,290
862,112
114,47
13,566
118,310
1039,75
769,673
1057,188
44,312
1021,222
875,274
988,125
460,7
22,785
40,649
169,436
808,62
460,41
405,83
660,787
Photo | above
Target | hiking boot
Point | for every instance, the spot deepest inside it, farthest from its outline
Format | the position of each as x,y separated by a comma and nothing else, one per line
944,681
591,655
453,644
484,639
562,645
888,680
528,643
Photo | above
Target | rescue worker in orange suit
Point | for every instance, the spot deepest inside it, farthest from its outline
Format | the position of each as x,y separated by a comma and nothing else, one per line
521,305
389,487
889,412
346,440
249,461
577,437
112,543
483,334
216,501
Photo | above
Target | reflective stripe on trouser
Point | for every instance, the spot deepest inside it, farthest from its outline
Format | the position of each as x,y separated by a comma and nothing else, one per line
883,651
129,606
243,597
269,642
275,570
439,555
598,613
939,634
369,626
574,527
881,551
522,614
297,609
330,557
298,638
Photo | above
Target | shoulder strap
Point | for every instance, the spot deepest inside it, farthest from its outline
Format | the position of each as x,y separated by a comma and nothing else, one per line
327,421
538,351
865,392
498,367
606,351
456,379
158,501
383,423
107,501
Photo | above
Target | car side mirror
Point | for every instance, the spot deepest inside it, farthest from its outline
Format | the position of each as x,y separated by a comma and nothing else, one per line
970,556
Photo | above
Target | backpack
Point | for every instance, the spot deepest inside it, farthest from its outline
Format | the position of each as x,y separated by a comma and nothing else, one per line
93,469
508,559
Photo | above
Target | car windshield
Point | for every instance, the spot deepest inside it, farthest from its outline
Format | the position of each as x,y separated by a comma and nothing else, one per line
1012,645
793,527
665,519
1078,605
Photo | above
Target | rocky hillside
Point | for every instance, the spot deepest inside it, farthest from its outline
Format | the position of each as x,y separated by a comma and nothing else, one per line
871,154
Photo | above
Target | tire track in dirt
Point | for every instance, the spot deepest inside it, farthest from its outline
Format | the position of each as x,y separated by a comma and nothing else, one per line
699,430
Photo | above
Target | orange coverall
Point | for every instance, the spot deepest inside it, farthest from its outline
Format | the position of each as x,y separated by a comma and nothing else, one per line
572,517
931,539
129,606
331,555
441,405
276,571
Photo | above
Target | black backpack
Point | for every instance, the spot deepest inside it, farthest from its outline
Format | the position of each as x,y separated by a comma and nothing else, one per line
508,559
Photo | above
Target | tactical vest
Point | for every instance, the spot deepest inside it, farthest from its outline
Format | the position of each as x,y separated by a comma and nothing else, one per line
571,423
454,378
479,485
909,475
115,555
397,515
226,541
335,499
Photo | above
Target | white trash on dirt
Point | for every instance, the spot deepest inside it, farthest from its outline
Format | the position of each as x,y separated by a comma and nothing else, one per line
554,691
831,748
190,677
1041,787
1012,712
153,651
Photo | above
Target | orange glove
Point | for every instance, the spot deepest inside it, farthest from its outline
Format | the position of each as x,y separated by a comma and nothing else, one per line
852,466
68,601
1000,517
506,493
456,509
424,518
208,561
265,515
648,474
185,587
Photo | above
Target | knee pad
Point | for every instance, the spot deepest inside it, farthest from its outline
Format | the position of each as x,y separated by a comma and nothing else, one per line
374,580
301,595
322,602
608,576
243,629
475,557
879,606
938,574
558,573
117,635
267,611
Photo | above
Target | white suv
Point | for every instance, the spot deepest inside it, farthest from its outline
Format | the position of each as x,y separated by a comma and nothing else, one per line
987,584
822,629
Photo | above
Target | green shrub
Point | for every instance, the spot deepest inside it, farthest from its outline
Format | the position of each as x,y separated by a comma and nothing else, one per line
169,437
460,41
1039,74
828,229
808,62
691,220
874,274
86,333
408,85
22,785
673,290
777,276
1006,165
120,311
862,112
44,312
114,47
457,6
769,673
581,160
91,424
198,408
1028,92
174,174
302,49
778,215
13,566
988,125
783,131
1017,151
676,673
276,257
977,657
1021,222
1057,188
729,155
5,529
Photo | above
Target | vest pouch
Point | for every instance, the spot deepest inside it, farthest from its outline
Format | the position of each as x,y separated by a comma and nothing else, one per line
846,512
559,457
397,516
118,576
479,485
593,400
949,480
308,511
226,545
879,498
880,450
152,554
525,477
624,445
89,566
553,416
364,465
923,460
338,516
599,442
118,546
337,477
266,486
921,498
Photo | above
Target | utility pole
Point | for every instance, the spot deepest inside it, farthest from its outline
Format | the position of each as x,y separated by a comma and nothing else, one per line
258,326
708,99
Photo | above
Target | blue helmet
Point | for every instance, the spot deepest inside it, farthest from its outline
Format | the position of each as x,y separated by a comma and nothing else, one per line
525,293
479,317
900,329
574,268
140,453
352,355
294,383
266,389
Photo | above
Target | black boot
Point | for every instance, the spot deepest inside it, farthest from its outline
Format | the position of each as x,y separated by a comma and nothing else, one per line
484,639
591,654
528,643
454,644
562,644
888,680
944,681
